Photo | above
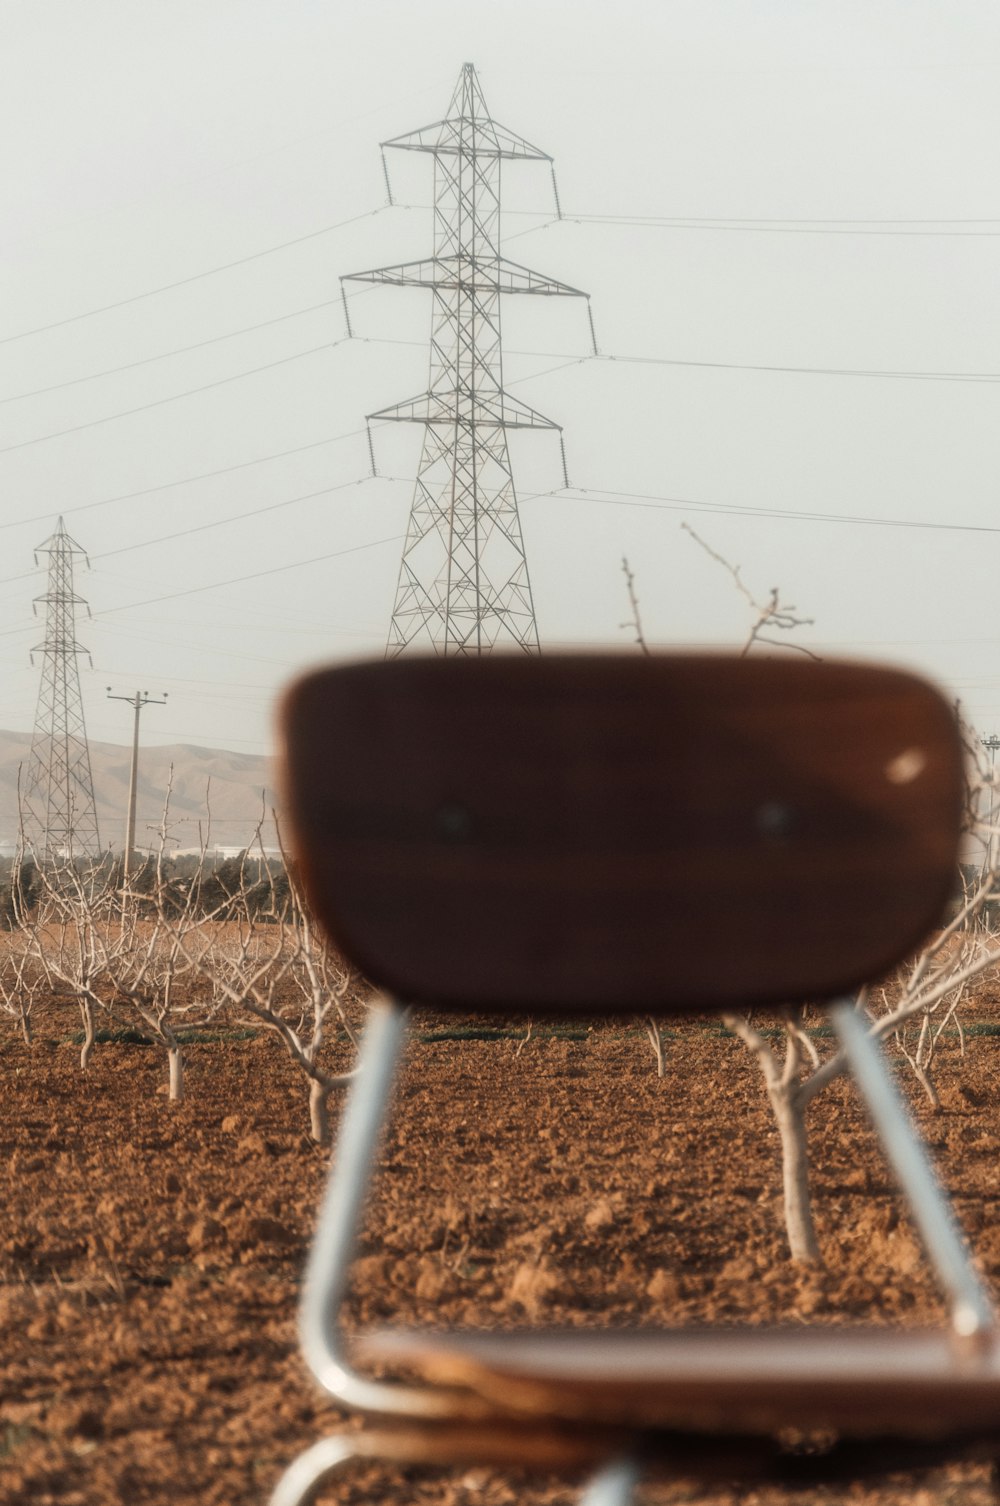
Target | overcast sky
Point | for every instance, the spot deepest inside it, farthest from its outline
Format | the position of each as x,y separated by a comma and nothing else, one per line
788,218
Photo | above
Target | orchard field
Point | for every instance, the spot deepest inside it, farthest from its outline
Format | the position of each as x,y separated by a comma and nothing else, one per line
151,1251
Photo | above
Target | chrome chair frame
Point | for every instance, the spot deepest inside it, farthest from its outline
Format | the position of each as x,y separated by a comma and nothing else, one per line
864,765
325,1345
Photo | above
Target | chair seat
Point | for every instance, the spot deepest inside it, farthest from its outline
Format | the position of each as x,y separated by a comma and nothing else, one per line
858,1382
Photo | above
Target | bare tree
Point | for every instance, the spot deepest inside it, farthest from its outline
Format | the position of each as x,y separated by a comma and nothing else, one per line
22,978
271,965
21,982
771,613
916,1008
69,935
789,1096
153,967
925,998
635,620
111,942
795,1073
654,1034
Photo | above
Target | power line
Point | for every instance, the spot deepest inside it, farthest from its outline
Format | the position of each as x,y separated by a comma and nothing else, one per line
274,570
734,509
225,470
180,350
771,227
136,633
232,334
174,397
723,223
237,580
791,224
877,373
607,496
887,373
182,282
164,355
240,517
278,626
604,495
191,680
837,371
727,219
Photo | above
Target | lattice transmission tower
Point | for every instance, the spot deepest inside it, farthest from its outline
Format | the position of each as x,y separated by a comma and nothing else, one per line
463,584
59,812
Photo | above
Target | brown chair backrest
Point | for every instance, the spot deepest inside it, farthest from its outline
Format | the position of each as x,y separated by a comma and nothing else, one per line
613,834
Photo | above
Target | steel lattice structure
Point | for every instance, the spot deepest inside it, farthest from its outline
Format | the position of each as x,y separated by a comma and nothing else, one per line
58,809
463,583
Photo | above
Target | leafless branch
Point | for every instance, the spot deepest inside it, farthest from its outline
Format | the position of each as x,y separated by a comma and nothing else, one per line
771,613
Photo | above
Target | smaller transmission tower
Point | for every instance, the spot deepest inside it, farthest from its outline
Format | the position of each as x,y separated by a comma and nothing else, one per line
59,812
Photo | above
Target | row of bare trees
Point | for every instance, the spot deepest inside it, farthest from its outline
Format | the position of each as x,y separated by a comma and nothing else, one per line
168,958
163,960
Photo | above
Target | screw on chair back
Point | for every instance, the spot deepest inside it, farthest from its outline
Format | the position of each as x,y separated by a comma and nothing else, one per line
612,835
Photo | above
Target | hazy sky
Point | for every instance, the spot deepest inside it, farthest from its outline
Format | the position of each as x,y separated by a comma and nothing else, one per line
788,218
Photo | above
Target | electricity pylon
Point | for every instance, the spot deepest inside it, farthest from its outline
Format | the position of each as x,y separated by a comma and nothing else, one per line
463,584
58,809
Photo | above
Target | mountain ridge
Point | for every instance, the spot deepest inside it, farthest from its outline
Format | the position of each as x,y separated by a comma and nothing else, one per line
218,796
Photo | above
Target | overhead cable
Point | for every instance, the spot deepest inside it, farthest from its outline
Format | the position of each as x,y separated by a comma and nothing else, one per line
735,509
240,517
785,227
162,486
174,397
236,580
164,355
278,569
182,282
767,226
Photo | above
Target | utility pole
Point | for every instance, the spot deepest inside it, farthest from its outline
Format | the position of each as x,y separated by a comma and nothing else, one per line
59,815
463,584
991,744
137,702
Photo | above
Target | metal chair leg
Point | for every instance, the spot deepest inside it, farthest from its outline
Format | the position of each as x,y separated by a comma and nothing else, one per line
304,1476
613,1485
972,1314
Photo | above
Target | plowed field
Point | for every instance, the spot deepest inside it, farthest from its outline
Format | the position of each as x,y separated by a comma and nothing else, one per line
150,1254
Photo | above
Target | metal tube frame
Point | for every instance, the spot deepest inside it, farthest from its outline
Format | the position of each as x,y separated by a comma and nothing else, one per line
304,1476
614,1485
323,1340
973,1317
335,1242
445,1448
334,1245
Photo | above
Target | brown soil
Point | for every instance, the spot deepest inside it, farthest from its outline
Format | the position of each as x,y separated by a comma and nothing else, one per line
150,1254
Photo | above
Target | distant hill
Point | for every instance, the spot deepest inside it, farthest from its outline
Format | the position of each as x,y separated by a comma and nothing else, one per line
235,787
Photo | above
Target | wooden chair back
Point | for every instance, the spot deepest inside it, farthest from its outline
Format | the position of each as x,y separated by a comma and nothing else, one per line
611,834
